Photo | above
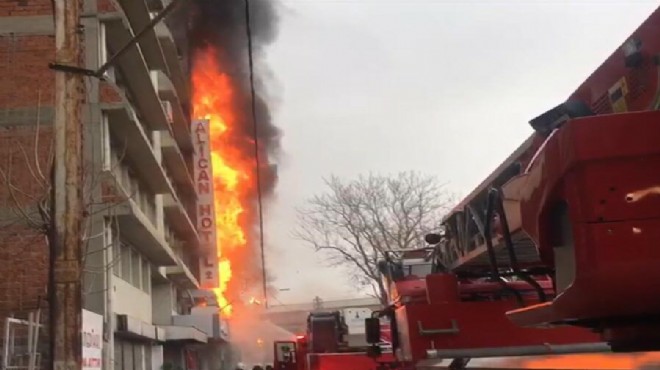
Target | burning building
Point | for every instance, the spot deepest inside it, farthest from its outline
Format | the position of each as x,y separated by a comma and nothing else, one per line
235,141
241,136
141,257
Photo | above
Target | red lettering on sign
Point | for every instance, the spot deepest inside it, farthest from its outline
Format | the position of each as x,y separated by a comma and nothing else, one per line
203,176
203,188
204,210
208,262
206,222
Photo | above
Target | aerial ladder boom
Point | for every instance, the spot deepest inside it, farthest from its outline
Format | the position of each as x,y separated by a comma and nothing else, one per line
557,250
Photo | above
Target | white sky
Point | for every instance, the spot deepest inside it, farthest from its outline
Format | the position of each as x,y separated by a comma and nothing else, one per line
445,87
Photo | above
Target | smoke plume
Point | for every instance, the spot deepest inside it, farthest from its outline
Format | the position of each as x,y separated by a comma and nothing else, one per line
219,28
221,24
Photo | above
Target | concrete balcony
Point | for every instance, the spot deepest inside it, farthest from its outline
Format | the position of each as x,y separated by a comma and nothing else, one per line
176,165
181,275
139,16
135,145
138,227
207,320
179,219
158,276
133,328
180,123
134,72
171,53
185,334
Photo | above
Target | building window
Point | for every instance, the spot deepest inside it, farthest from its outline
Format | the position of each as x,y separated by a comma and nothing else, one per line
105,139
116,257
104,52
132,355
125,272
146,276
135,269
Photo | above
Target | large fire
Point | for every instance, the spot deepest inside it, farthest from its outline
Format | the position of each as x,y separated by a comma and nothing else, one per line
232,166
644,360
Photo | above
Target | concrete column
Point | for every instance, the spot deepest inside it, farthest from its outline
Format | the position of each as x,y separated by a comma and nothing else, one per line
98,278
157,359
158,153
157,146
160,215
162,297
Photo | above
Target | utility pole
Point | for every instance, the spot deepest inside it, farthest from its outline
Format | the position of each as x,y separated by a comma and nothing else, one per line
65,287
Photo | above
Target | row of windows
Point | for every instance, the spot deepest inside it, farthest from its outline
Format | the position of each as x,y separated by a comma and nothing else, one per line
135,188
130,266
132,356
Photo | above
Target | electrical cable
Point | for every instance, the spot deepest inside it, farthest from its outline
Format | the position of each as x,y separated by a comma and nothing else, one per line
256,151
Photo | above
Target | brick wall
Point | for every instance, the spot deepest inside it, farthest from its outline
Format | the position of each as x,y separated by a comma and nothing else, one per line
25,78
107,6
25,7
26,94
23,249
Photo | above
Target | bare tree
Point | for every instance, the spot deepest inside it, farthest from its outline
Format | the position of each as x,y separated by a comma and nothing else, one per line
356,221
26,199
31,205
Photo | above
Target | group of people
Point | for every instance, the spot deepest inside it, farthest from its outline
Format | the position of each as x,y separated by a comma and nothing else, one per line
240,366
258,367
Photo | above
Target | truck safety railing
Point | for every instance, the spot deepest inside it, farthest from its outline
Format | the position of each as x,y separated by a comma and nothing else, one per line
518,351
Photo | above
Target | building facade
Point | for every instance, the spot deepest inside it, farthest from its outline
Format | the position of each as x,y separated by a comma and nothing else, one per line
141,241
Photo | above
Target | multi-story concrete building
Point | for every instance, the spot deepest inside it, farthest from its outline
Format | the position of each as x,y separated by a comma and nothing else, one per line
141,238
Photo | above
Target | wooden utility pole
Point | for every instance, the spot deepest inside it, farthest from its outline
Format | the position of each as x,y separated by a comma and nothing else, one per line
65,288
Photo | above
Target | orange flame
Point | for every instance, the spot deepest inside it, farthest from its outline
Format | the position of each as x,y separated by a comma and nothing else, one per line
232,168
595,361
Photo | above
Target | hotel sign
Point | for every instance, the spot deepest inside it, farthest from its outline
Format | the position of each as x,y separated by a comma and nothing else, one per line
208,263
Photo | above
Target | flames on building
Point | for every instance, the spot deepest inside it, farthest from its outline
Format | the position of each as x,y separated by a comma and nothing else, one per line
221,95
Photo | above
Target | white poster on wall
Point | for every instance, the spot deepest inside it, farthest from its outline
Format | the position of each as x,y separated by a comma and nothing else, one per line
208,264
92,341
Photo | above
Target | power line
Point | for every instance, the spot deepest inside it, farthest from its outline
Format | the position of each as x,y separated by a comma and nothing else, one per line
256,151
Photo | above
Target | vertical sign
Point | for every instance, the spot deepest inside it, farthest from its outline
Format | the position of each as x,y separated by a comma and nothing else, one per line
92,341
208,263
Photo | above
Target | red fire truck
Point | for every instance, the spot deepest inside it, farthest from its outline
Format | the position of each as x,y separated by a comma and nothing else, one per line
557,251
326,346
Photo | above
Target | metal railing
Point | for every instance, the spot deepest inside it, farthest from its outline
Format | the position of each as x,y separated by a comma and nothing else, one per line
21,342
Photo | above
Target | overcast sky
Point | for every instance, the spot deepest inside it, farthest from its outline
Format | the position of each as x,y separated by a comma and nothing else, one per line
445,87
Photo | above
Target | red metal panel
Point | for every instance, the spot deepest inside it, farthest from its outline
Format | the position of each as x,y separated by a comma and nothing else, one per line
345,361
478,324
570,160
606,169
441,288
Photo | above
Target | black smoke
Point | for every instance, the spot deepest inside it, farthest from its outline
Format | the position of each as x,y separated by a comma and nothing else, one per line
222,26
